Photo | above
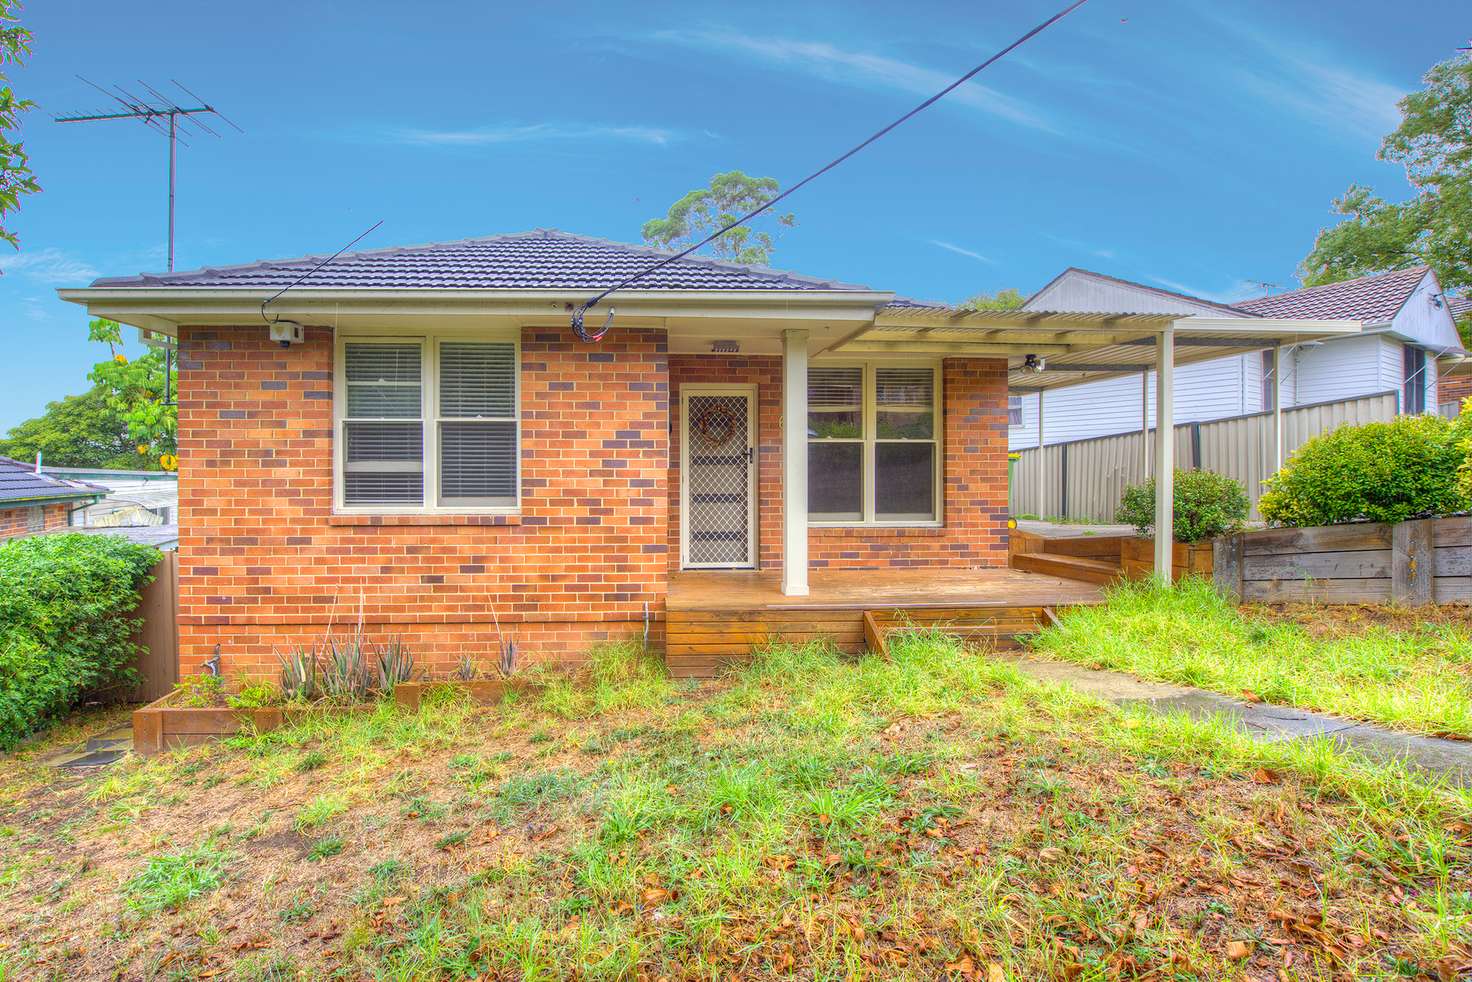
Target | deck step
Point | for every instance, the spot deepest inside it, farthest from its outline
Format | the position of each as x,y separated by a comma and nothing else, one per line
998,627
1070,567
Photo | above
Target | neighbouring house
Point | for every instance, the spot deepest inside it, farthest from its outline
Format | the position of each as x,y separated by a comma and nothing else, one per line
32,502
133,498
1457,384
414,439
1408,341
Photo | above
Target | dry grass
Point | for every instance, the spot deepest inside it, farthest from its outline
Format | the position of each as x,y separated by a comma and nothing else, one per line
934,814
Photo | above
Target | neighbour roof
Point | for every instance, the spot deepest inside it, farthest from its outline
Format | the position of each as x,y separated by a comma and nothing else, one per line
164,537
20,483
1371,299
543,259
1229,310
1459,306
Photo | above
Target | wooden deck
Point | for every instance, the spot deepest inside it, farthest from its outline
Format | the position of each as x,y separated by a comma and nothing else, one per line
715,617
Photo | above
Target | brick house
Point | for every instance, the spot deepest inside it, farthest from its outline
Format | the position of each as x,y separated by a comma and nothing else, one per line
416,438
31,502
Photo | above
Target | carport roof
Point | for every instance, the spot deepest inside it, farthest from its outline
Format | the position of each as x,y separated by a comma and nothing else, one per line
1075,347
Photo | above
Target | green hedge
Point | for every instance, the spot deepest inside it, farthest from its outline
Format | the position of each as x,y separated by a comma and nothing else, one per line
1378,472
1207,504
65,628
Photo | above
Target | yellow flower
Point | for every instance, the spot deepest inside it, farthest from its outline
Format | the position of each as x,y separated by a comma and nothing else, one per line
120,358
142,449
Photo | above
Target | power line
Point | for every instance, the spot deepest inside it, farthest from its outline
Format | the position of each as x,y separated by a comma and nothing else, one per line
278,294
581,309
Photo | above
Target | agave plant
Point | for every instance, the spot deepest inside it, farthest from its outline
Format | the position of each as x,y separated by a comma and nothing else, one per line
468,669
395,664
299,679
506,658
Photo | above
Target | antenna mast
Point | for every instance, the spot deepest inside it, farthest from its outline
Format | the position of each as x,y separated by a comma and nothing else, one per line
153,112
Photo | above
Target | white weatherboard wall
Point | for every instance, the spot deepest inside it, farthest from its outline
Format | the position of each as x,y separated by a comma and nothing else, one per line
1205,390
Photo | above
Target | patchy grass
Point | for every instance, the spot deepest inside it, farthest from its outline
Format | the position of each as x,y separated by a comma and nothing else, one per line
1412,673
932,814
169,881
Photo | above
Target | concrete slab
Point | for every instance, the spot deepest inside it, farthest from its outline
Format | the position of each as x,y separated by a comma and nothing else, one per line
1450,759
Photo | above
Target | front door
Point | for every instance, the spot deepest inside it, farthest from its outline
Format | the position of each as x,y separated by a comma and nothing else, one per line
717,478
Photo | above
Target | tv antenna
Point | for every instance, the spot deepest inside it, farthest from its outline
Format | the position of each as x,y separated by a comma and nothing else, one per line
1265,286
158,112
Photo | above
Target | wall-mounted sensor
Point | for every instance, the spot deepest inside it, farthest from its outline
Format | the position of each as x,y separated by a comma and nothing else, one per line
287,333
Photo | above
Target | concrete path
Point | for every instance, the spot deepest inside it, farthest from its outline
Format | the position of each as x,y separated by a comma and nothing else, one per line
1451,759
96,752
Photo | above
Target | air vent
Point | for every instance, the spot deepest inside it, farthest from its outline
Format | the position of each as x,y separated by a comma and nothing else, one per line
725,347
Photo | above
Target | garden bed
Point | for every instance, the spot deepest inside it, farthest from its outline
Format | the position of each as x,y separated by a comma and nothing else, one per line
482,692
165,725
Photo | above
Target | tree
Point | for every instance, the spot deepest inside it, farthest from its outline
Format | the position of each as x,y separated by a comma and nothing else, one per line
1008,299
16,179
121,422
1434,227
704,210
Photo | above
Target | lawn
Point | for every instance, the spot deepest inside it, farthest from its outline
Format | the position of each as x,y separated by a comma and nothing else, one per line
931,814
1408,670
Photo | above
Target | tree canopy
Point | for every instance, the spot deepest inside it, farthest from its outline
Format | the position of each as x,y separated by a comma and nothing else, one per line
16,179
121,422
1434,226
1008,299
702,211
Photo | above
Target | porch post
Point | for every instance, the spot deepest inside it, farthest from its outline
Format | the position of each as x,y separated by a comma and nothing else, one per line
1144,425
1042,461
1278,354
1165,446
795,463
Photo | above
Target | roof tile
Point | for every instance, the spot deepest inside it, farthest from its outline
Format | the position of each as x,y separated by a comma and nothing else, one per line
1371,299
20,482
544,259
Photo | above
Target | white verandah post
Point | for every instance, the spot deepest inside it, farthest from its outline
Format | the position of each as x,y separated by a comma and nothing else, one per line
1144,425
795,463
1165,445
1278,354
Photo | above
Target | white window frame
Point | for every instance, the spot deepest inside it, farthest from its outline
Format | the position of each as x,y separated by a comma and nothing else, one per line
429,416
867,472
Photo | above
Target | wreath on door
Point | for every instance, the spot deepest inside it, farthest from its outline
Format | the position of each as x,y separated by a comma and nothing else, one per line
717,425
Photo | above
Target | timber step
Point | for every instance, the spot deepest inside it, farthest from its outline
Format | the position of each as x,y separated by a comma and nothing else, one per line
1071,567
701,644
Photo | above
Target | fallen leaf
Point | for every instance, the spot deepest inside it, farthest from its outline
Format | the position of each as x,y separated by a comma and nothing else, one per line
994,973
1251,696
1238,950
1264,776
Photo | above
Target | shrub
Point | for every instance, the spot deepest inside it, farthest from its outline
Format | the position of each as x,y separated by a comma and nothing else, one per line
1379,472
1207,504
65,628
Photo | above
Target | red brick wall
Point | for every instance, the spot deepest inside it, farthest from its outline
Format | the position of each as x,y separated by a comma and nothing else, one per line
16,522
974,532
1454,388
263,562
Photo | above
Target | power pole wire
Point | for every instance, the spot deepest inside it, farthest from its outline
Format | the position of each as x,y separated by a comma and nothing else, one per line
583,308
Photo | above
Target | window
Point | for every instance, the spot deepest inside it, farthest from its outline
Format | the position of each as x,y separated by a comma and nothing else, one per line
428,424
873,453
1413,397
1014,410
1269,365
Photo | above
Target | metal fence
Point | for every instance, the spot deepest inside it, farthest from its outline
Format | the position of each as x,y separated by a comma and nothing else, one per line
1084,479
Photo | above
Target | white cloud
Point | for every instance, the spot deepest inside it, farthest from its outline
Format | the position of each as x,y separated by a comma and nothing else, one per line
962,251
49,265
1311,79
1240,290
535,133
857,68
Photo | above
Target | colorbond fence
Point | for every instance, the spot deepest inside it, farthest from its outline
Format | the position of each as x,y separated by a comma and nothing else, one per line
1085,479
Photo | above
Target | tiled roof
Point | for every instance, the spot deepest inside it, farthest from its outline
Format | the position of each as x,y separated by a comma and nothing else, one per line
1459,306
1372,299
20,482
544,259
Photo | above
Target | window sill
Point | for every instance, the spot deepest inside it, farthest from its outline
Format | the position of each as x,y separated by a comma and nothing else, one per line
422,519
878,531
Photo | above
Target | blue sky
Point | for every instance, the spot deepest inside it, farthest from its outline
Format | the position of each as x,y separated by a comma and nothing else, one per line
1185,143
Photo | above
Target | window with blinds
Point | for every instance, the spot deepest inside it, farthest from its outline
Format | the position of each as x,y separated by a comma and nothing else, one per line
383,424
429,424
477,423
873,444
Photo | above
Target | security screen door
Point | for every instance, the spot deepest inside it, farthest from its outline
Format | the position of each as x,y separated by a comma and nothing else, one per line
718,472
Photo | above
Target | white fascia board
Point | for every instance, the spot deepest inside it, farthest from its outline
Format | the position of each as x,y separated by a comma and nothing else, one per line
1265,327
